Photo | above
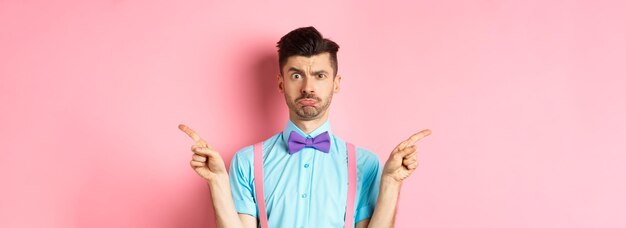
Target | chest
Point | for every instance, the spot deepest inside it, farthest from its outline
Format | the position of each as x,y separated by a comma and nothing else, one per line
306,185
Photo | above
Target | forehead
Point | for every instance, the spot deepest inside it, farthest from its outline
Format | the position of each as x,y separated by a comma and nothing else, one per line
314,62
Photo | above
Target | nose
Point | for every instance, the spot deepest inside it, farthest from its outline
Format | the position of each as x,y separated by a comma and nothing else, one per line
307,86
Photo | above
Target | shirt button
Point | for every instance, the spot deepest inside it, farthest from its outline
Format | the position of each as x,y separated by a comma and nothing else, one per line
303,195
306,165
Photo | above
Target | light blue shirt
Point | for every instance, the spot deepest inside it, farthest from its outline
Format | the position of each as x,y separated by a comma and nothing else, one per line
308,188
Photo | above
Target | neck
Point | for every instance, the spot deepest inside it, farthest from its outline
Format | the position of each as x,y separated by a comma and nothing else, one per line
308,126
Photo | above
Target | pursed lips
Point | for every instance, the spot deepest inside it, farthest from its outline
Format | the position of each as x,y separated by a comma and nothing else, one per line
307,102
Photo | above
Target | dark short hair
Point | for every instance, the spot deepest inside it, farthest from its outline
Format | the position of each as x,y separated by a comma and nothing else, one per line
305,41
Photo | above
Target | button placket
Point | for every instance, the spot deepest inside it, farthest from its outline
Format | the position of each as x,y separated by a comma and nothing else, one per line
307,172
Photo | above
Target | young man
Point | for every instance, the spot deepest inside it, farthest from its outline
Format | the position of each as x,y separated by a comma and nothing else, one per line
305,174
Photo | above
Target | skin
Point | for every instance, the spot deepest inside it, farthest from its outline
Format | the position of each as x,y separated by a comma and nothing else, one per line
313,78
308,85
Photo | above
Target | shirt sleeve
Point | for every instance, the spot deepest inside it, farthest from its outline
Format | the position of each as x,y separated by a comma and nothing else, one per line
369,172
241,176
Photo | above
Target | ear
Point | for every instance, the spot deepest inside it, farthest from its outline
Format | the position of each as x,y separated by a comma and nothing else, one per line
281,86
337,83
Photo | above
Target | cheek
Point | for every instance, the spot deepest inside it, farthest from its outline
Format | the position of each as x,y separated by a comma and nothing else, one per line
291,87
290,91
288,88
330,87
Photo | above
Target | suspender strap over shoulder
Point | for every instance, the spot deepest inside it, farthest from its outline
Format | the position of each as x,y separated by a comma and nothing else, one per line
260,197
258,183
351,186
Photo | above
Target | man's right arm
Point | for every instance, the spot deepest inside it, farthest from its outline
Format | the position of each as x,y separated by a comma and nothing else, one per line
225,212
209,165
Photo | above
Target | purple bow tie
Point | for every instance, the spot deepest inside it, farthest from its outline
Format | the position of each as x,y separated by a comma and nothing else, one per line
296,142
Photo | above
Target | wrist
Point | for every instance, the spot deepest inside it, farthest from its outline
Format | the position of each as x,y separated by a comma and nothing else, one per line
389,181
218,180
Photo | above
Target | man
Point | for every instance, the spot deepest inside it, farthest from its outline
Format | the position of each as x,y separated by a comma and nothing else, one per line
305,186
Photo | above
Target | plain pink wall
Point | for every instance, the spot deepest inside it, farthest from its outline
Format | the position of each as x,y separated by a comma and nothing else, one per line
525,99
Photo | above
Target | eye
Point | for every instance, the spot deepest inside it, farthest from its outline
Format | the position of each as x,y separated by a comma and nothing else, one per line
321,76
296,76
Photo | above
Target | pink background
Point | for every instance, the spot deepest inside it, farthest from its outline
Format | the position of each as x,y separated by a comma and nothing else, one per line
525,99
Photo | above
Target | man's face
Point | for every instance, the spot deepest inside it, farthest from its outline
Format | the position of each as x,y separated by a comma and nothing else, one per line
308,84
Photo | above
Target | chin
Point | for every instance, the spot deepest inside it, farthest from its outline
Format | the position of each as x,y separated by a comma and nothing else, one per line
307,116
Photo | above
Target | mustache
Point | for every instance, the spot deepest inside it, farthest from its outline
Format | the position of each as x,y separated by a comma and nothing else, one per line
308,96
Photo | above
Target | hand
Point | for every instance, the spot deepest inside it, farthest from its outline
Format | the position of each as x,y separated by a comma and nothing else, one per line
205,161
403,159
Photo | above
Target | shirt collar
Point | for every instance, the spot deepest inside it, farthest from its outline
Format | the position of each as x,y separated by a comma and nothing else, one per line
292,127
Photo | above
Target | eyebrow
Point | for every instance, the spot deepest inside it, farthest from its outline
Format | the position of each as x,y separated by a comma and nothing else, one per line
300,71
320,72
294,69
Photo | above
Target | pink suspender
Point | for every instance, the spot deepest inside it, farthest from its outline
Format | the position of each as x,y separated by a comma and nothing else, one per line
351,186
258,182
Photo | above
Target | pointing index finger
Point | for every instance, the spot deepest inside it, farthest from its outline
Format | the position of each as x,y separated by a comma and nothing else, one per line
190,133
417,136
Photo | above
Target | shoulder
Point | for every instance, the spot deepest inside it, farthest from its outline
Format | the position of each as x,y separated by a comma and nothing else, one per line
366,158
364,153
369,169
241,164
246,154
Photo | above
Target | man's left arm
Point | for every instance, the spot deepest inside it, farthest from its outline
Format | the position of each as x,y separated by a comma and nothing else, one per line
400,165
